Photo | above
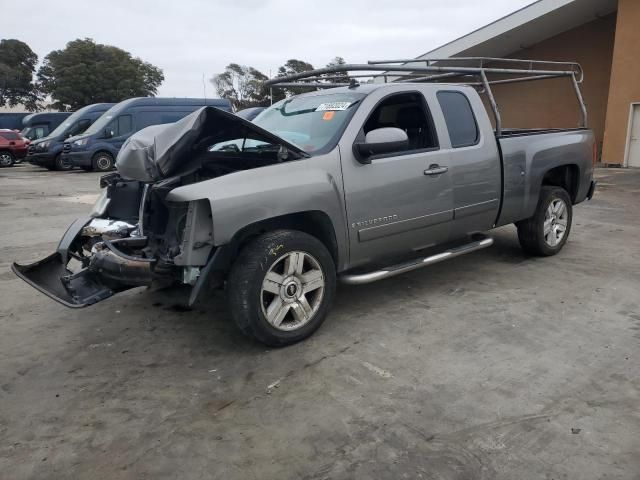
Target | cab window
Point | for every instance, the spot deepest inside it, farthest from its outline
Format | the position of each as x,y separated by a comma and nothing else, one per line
408,112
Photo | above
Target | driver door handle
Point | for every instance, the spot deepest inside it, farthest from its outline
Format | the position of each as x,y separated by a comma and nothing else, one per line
436,169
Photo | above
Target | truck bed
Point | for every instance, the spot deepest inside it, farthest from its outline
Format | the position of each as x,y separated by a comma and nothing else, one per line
527,154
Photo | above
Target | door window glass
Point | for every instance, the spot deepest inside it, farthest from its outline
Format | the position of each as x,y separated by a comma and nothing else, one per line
408,112
458,115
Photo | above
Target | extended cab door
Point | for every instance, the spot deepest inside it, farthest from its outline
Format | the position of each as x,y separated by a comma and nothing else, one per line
475,165
401,201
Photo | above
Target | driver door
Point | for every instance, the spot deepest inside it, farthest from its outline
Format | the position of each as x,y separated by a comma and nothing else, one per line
397,203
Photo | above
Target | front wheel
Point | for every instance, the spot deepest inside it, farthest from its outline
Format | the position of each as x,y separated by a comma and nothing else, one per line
62,164
547,231
102,162
6,159
281,287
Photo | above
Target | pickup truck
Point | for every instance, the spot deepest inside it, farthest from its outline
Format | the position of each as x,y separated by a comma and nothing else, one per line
351,184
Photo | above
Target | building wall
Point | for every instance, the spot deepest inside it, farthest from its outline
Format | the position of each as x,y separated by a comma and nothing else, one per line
552,103
625,81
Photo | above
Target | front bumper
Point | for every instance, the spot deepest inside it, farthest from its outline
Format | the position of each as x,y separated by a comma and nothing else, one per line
78,159
43,159
108,272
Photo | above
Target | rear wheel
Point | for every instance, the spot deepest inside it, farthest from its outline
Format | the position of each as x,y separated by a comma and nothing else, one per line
102,162
547,231
62,164
281,287
6,159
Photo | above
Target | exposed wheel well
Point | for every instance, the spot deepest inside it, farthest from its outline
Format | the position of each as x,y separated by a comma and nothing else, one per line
102,151
315,223
565,176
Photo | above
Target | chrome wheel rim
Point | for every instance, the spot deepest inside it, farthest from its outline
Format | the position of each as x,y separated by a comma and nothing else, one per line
103,163
292,291
555,222
5,159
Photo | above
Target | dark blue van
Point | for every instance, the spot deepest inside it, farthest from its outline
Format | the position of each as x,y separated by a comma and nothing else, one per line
47,152
98,146
12,120
39,125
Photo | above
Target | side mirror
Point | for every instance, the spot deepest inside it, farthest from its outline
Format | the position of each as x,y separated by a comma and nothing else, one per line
380,141
108,133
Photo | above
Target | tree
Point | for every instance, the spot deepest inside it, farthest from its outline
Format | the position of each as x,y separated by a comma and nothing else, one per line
86,72
17,66
292,66
337,77
243,86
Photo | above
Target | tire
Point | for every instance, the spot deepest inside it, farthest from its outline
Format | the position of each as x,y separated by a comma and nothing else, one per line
6,159
304,297
102,162
61,165
542,234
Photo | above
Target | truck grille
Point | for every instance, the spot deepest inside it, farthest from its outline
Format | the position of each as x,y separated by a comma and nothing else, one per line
66,147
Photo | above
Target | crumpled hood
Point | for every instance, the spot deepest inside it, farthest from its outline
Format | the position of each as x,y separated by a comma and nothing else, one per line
159,151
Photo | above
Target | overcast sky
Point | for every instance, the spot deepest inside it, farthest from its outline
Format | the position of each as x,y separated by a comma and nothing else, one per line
189,38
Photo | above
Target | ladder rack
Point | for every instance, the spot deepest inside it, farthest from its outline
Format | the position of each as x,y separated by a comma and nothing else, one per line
475,71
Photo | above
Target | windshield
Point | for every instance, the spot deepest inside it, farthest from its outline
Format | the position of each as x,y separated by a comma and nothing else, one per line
312,123
100,124
64,127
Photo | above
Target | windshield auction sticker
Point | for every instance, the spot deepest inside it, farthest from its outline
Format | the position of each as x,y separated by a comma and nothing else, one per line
323,107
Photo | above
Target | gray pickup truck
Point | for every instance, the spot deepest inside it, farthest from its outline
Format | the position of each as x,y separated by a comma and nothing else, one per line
357,183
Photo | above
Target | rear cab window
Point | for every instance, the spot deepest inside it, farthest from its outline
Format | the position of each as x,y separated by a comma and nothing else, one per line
459,117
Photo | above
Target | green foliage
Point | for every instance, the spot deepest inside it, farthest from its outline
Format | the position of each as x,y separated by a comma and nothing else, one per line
85,72
291,67
17,66
338,77
243,86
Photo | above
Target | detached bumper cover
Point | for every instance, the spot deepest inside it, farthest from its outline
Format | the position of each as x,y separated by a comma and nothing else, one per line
51,277
110,271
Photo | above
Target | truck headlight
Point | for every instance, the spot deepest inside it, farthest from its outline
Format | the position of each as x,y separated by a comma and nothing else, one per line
44,146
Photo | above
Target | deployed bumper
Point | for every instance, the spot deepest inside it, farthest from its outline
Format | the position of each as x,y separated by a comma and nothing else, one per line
109,271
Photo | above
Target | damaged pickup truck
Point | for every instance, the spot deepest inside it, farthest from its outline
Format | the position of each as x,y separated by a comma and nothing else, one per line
355,183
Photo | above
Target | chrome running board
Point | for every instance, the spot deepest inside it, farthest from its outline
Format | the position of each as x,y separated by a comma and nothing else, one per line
392,271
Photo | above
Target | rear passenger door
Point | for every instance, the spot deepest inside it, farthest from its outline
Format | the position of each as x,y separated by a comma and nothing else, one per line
474,163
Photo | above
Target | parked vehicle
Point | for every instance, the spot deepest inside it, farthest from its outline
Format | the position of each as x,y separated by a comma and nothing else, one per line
250,113
356,183
12,147
47,152
39,125
97,147
12,120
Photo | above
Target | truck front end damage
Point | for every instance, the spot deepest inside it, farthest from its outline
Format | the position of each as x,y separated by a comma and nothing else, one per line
109,251
135,236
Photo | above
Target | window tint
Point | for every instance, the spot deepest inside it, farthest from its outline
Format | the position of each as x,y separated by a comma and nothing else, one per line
458,115
10,135
406,111
78,128
145,119
124,124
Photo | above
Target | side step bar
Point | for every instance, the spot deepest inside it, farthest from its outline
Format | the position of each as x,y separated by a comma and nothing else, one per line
362,278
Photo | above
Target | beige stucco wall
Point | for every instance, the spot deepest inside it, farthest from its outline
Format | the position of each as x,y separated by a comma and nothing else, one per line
625,81
552,103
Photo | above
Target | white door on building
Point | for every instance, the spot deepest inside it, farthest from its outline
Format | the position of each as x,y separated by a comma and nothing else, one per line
633,160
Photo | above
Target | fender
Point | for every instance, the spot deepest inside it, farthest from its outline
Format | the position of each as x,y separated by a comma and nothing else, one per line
251,196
